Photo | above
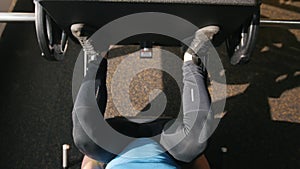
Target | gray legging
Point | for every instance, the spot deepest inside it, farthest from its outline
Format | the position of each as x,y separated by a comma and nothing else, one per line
184,138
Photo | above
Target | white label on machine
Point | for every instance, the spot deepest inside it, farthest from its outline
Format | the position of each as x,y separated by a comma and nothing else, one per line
146,53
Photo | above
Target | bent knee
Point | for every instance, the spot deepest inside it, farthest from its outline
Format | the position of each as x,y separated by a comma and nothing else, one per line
91,149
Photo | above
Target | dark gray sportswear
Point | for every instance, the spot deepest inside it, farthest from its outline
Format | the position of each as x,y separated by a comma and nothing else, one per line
184,139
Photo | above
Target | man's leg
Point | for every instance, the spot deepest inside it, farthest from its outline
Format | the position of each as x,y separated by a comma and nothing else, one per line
83,142
190,130
201,161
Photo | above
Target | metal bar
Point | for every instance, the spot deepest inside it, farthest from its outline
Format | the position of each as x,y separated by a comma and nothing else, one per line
30,17
16,17
292,24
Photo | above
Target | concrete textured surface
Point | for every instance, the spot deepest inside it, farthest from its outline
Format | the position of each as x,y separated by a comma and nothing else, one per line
260,127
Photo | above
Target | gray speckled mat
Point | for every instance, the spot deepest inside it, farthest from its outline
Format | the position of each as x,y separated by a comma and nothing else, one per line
142,84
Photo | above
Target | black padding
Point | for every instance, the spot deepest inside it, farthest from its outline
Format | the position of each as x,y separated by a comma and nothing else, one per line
228,14
206,2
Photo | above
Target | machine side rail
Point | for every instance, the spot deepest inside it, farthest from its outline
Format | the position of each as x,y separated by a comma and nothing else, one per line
30,17
291,24
17,17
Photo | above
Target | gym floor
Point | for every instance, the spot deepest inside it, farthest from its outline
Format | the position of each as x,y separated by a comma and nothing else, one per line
259,130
